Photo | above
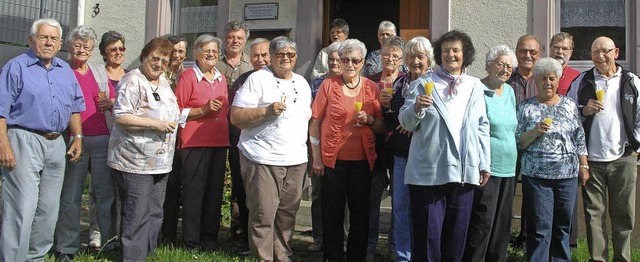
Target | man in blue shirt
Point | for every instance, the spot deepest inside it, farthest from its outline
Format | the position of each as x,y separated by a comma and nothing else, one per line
39,99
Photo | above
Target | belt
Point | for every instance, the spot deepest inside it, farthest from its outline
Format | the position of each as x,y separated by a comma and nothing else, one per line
46,135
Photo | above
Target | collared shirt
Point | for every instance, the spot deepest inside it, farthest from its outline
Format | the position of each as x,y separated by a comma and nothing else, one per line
522,87
39,98
232,73
553,155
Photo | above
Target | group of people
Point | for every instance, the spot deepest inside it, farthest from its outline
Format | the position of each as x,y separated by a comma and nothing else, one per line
407,115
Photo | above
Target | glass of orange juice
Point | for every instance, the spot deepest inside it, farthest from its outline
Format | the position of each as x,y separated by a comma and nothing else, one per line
600,94
428,88
358,106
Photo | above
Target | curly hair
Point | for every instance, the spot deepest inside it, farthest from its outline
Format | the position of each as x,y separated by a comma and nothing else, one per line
469,52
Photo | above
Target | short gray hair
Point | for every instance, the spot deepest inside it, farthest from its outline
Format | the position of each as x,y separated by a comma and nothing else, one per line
394,41
83,33
45,21
235,26
419,44
387,25
203,40
351,45
258,41
281,42
333,47
501,50
547,65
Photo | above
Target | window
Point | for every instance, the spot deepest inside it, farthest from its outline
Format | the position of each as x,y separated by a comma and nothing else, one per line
16,17
588,19
192,18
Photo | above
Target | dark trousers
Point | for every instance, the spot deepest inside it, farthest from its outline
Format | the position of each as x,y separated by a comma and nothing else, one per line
440,219
350,182
142,196
238,193
490,224
203,170
172,202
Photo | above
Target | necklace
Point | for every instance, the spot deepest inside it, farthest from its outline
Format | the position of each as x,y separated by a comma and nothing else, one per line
347,85
155,94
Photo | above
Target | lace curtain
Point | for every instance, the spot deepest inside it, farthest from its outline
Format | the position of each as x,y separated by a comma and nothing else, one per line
592,13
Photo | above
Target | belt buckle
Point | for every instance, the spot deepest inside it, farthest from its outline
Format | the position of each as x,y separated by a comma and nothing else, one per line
51,135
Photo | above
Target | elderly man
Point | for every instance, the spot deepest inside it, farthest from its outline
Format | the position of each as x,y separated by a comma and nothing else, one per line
527,53
273,109
561,50
39,99
259,56
338,32
173,194
607,97
233,63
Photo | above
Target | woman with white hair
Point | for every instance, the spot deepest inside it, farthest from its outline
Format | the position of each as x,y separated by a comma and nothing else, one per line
96,123
203,101
373,63
418,55
554,160
346,117
490,224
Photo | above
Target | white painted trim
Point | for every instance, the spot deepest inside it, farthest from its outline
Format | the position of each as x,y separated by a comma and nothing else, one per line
440,18
80,14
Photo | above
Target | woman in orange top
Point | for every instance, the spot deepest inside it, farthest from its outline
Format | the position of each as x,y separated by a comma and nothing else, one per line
345,115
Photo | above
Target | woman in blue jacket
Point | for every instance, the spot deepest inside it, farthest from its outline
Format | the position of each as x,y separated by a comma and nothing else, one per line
449,154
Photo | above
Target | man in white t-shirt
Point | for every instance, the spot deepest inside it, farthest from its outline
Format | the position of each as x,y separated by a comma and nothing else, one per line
607,97
272,109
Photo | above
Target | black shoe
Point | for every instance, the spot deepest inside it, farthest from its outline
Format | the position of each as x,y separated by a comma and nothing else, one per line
64,257
242,249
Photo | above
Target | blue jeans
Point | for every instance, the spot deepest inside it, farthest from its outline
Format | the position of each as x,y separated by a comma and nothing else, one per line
401,212
550,208
94,158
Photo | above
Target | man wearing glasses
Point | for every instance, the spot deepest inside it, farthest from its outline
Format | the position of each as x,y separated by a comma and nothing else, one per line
561,50
39,99
527,53
607,97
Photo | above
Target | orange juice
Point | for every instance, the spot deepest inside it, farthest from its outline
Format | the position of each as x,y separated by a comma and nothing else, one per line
428,88
548,120
358,106
389,90
600,95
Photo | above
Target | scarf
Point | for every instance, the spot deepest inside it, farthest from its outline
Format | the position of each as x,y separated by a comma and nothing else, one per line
454,82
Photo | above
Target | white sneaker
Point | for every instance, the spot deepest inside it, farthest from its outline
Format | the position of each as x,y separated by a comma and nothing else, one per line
95,241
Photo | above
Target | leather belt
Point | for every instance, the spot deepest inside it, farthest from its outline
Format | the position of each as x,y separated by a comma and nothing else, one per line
46,135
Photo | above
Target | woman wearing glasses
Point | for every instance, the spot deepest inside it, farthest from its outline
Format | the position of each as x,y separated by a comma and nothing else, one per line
204,139
112,50
141,148
272,109
346,117
98,96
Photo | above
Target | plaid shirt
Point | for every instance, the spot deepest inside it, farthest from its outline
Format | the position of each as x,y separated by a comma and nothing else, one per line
522,87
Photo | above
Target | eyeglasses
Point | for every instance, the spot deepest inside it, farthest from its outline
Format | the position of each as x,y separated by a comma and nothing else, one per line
115,49
82,47
354,61
560,48
501,66
393,58
210,51
532,52
155,59
45,38
289,55
603,52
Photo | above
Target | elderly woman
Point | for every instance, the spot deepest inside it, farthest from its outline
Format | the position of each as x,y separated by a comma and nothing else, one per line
346,116
141,148
554,160
373,63
177,59
98,95
338,32
418,55
490,225
202,98
334,67
112,50
449,155
273,109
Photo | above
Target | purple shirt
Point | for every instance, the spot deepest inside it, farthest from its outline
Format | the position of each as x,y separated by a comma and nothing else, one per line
37,98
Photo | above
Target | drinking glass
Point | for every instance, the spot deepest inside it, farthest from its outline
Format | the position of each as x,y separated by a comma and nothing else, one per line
358,106
600,95
387,86
428,88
